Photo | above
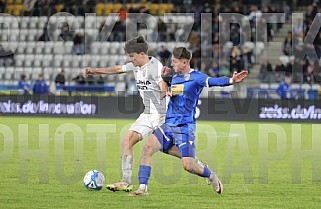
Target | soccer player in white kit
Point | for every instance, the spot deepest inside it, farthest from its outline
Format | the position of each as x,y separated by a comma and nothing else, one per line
152,89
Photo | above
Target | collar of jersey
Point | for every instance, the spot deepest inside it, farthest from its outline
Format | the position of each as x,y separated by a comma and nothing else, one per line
191,70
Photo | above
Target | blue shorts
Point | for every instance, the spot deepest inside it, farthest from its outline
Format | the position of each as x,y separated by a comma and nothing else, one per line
183,137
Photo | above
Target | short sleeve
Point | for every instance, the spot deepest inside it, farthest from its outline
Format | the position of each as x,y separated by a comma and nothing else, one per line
128,67
156,71
158,78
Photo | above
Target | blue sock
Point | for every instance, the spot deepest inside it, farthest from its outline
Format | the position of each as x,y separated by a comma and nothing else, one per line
144,174
206,172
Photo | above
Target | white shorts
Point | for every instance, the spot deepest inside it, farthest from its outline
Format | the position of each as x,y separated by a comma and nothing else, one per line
146,123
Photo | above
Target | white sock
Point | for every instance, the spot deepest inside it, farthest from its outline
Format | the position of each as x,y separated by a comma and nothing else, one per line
212,176
143,187
127,167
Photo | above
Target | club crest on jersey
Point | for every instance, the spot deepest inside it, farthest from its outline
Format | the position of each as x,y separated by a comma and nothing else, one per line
187,77
144,72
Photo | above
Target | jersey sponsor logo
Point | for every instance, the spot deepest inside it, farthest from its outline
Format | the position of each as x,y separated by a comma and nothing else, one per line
177,89
141,82
143,85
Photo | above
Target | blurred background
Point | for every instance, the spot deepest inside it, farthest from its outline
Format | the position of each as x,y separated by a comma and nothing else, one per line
48,43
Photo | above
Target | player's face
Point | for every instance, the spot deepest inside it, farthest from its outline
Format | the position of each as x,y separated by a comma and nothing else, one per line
178,65
135,58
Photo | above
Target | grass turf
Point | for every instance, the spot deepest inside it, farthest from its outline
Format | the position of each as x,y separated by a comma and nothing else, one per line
258,169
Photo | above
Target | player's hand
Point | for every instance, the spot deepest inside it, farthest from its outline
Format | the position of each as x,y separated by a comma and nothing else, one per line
169,93
165,71
239,77
90,71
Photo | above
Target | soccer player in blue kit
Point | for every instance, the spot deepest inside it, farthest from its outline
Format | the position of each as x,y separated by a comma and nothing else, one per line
179,127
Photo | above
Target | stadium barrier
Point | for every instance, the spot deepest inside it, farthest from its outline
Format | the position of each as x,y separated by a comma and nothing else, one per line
87,88
233,109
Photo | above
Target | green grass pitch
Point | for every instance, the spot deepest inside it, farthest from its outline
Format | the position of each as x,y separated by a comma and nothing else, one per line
262,165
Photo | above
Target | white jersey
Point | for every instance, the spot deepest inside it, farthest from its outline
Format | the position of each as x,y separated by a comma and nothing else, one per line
147,79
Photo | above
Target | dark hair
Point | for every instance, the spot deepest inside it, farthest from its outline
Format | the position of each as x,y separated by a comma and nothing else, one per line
182,53
288,74
136,45
152,52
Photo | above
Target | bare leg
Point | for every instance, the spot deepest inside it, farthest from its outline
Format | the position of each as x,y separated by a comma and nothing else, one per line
152,145
174,152
191,165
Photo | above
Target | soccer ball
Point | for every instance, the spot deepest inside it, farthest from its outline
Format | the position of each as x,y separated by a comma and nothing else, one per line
94,180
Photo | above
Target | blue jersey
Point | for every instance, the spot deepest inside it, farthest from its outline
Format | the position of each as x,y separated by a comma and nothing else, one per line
40,87
284,91
23,85
186,89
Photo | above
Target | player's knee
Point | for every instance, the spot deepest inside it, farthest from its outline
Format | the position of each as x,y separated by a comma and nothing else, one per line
188,166
133,141
130,140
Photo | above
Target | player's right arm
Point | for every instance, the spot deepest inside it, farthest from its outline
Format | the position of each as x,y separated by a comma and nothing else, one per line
117,69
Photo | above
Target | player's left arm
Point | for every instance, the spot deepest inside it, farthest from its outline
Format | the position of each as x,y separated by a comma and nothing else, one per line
226,81
163,88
